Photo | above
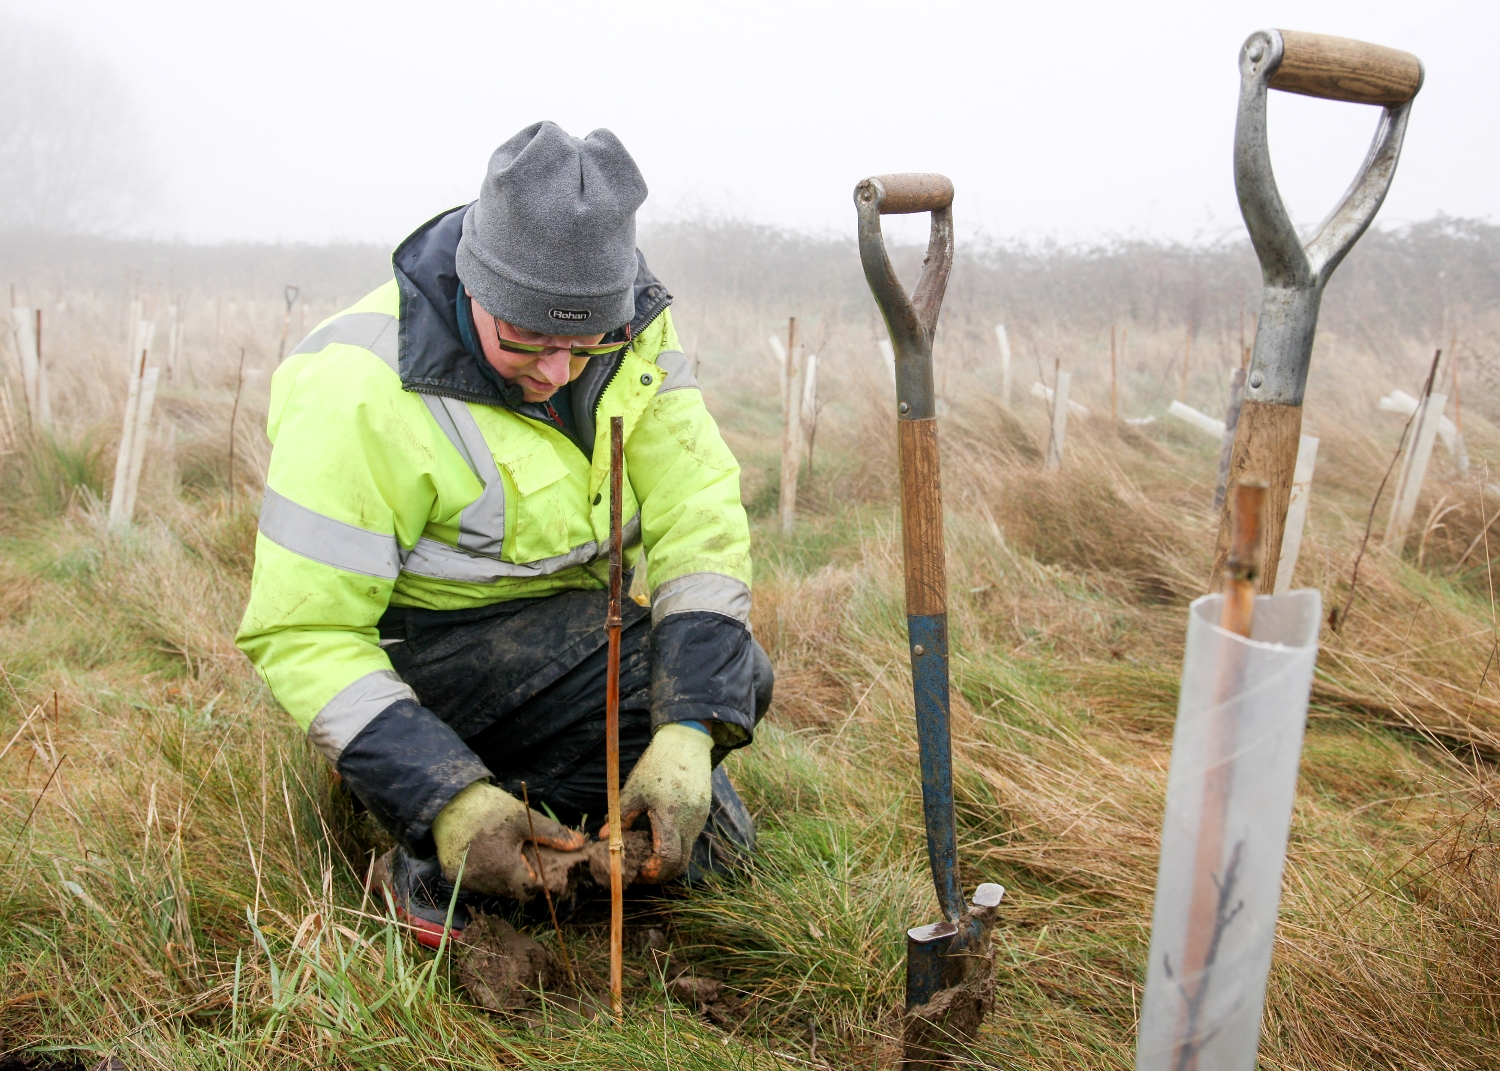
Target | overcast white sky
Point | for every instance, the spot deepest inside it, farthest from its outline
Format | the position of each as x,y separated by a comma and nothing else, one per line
312,120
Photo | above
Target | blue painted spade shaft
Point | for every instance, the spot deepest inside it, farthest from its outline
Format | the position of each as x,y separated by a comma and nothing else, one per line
929,677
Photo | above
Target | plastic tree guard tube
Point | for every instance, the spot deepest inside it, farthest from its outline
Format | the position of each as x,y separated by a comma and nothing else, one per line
1235,753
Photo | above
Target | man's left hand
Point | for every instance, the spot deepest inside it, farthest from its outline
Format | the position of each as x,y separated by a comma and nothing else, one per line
672,785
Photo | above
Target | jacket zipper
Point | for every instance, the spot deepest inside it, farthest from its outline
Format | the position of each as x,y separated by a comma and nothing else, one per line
615,374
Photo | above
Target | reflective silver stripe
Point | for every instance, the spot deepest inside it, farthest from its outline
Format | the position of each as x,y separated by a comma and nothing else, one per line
679,371
710,592
375,331
343,716
439,561
323,539
481,526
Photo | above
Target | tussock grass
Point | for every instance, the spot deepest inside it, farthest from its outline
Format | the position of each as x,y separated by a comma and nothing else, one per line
183,881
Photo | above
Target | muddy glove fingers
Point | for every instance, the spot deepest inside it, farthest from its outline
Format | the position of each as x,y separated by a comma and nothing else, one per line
484,829
671,783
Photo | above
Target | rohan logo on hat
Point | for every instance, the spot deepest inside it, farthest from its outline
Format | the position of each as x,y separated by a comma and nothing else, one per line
572,316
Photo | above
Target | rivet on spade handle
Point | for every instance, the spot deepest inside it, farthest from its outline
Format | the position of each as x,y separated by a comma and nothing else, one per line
1293,273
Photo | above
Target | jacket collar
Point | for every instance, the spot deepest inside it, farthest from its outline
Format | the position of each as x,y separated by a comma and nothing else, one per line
432,356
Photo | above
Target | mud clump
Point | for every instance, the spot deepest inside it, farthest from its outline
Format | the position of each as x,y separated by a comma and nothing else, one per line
637,851
502,969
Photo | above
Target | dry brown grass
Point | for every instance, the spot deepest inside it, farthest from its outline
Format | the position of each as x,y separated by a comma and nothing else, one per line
1067,612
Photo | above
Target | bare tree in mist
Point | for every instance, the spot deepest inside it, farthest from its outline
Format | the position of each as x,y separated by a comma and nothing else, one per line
71,150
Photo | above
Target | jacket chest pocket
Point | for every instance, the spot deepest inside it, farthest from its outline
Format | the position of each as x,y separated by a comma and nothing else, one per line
545,511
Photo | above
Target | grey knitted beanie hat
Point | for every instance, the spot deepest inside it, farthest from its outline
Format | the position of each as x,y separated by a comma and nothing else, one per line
550,244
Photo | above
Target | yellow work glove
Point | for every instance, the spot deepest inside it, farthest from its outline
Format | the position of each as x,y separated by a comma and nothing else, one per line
671,784
484,829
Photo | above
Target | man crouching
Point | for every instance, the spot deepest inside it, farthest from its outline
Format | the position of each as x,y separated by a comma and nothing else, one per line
432,559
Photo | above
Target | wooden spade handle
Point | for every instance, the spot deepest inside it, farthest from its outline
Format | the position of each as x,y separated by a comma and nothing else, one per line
1265,448
1337,68
909,193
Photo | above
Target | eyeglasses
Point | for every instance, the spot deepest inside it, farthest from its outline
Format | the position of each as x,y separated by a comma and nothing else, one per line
530,350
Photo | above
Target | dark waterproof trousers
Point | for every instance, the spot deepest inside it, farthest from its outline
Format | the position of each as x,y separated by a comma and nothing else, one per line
523,683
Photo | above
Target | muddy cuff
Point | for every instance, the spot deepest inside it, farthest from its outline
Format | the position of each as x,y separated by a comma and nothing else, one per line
405,766
702,669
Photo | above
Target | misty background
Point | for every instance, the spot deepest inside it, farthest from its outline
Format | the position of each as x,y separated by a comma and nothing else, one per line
187,164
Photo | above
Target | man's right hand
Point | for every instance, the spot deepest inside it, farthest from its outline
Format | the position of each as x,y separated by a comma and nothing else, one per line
485,831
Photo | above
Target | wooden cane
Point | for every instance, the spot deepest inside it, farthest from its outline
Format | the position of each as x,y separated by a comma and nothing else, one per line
612,726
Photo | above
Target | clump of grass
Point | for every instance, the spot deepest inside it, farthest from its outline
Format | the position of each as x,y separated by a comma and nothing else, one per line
49,472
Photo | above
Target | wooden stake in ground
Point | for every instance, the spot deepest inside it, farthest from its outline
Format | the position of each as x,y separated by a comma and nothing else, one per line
791,429
1004,340
612,724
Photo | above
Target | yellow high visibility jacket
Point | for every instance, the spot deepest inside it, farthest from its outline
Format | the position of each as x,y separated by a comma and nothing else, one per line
403,474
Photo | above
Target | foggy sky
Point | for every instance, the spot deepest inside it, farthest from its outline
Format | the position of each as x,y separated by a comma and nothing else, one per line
311,121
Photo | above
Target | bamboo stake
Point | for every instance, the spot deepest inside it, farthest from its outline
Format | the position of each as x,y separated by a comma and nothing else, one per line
1205,909
791,430
612,725
1242,569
